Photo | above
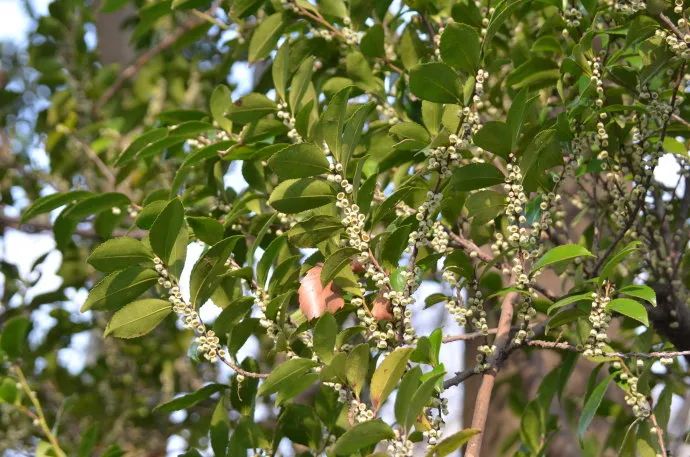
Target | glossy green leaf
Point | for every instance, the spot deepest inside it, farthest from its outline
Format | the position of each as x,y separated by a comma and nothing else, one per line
460,47
592,405
476,176
335,263
286,374
297,195
361,436
53,201
13,337
299,161
207,271
630,308
188,400
452,443
435,82
561,254
265,37
138,318
640,291
168,236
120,288
120,253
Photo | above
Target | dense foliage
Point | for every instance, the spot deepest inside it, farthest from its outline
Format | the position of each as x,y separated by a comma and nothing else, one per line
505,152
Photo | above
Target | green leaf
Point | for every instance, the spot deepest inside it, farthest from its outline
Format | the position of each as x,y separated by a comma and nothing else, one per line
476,176
592,405
168,236
13,336
300,84
460,47
631,308
452,443
190,399
67,221
299,161
285,375
208,270
145,140
357,367
408,386
372,42
495,137
325,333
569,300
352,132
516,115
387,375
312,231
485,205
220,103
362,435
297,195
640,291
120,253
50,202
281,70
420,398
206,229
610,266
560,254
435,82
536,71
336,262
138,318
219,428
265,37
251,108
120,288
9,393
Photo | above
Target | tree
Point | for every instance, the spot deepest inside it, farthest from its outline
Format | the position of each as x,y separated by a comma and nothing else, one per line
509,153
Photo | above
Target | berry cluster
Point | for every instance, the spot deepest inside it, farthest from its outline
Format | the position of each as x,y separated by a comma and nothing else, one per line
289,121
600,318
208,342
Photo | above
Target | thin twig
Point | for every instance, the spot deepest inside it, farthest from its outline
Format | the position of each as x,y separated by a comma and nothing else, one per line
40,418
239,370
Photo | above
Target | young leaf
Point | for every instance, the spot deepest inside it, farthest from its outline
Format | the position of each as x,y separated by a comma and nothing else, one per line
460,47
435,82
631,308
299,161
207,272
387,375
120,253
138,318
362,435
120,288
560,254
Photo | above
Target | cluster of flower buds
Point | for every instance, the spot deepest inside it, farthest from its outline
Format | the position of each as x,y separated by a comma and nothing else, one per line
426,215
289,121
635,399
484,354
400,446
433,434
679,45
359,412
388,113
526,313
516,201
351,37
486,19
443,159
473,313
572,17
287,221
208,342
203,140
342,391
630,6
480,79
399,303
371,322
600,318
